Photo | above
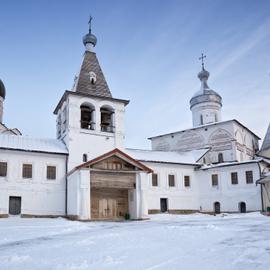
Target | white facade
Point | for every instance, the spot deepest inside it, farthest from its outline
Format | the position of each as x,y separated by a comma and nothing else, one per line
39,196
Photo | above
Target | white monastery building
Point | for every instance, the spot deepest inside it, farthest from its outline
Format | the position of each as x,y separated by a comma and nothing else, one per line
86,173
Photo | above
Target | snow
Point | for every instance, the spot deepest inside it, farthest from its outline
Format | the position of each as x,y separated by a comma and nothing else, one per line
184,157
224,242
32,144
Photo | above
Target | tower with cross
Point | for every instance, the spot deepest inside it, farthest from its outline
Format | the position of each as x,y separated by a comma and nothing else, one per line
206,103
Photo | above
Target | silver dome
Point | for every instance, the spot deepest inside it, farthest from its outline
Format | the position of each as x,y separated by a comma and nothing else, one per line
205,94
2,90
90,38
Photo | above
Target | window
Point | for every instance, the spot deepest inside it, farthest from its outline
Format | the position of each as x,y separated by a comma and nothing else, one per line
3,169
214,180
187,181
234,178
216,118
106,119
171,179
201,119
249,177
27,171
84,157
87,117
51,172
220,158
154,180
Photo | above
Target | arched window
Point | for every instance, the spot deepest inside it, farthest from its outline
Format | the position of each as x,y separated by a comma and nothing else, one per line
87,116
220,158
217,207
106,119
84,157
216,117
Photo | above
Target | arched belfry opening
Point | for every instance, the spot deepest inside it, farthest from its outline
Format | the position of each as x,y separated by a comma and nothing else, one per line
106,119
220,158
87,116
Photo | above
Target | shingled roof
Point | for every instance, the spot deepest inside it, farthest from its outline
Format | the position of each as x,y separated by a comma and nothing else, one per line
84,84
266,141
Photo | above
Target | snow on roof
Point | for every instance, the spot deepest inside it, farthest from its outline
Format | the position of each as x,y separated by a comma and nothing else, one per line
24,143
224,164
204,126
184,157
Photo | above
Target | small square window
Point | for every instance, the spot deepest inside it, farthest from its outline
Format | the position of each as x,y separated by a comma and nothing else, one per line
214,180
51,172
234,178
249,177
187,181
171,179
27,171
154,180
3,169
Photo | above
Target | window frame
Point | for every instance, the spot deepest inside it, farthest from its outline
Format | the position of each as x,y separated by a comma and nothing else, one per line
6,172
156,180
214,181
27,164
249,180
189,181
54,166
234,181
174,180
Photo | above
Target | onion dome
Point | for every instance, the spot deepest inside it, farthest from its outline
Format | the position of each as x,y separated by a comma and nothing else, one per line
89,38
205,94
2,90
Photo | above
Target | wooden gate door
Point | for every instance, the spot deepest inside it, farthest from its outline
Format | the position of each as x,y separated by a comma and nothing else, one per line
108,203
14,205
107,208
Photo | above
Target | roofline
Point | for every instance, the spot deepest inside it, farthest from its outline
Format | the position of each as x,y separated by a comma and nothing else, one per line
33,151
232,164
68,92
203,126
168,162
108,154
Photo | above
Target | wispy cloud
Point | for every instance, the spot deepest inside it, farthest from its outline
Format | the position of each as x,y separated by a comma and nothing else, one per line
254,39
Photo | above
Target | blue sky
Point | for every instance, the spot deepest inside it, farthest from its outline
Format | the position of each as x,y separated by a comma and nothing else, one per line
149,53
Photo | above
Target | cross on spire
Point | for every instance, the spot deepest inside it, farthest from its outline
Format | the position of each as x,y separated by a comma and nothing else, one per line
202,59
90,23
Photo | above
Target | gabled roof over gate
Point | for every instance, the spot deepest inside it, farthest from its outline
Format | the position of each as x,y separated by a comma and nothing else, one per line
118,153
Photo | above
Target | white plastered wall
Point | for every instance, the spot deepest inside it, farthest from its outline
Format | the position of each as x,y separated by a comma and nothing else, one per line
39,196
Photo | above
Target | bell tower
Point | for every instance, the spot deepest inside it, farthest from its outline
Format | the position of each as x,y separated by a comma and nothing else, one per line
89,119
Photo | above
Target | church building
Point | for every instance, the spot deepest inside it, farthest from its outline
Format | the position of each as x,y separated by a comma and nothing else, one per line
86,173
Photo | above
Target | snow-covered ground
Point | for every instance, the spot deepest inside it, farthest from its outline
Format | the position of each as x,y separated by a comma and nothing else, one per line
168,242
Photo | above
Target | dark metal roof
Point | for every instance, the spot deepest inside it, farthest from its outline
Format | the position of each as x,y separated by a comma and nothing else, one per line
2,90
65,95
85,85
